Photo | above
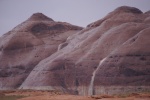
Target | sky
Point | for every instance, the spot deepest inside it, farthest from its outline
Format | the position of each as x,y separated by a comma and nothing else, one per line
76,12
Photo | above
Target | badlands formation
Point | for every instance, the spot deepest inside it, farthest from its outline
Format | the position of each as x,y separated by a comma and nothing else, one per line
111,55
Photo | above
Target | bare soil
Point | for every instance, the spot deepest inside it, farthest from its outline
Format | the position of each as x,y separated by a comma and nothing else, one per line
55,95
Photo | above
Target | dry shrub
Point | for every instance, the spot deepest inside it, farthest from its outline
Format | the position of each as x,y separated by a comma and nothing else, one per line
101,96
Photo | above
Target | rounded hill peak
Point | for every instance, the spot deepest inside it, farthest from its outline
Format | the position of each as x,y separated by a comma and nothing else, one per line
40,16
147,12
128,10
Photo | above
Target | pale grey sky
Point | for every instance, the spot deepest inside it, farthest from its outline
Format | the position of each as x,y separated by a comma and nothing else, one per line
77,12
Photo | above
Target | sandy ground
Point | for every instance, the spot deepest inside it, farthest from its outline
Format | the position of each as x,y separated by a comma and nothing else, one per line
53,95
73,97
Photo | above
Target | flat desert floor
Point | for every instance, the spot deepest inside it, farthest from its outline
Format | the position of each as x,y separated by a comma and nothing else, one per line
53,95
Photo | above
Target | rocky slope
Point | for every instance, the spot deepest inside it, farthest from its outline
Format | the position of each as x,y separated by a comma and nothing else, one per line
108,56
26,45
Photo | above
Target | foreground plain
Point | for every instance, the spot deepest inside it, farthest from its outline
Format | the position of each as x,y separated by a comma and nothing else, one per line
54,95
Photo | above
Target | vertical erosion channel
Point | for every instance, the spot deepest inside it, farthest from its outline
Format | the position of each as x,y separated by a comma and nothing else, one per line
91,87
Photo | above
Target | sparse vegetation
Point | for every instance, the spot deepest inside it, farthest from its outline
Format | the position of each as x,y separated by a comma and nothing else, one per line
56,95
101,96
12,97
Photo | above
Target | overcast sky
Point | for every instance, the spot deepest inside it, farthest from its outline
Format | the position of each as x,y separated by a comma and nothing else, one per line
77,12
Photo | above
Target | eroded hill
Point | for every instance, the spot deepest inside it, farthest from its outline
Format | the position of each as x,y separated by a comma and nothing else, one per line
110,55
